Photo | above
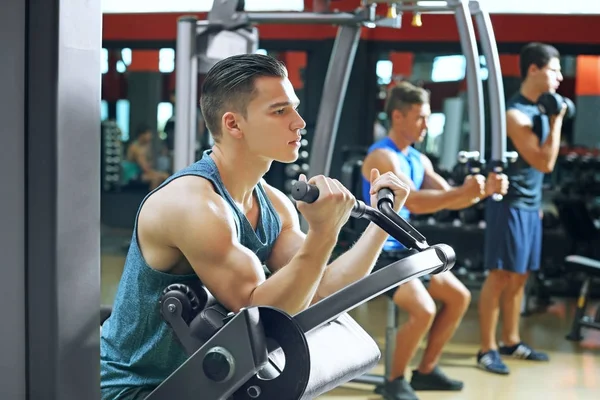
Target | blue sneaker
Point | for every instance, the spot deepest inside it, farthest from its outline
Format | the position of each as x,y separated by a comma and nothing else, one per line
490,361
523,352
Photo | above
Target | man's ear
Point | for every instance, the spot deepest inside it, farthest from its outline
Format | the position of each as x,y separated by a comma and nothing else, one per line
396,115
231,124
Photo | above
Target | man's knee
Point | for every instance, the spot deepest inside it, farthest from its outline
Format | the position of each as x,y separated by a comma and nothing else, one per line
453,293
497,280
516,282
463,298
421,308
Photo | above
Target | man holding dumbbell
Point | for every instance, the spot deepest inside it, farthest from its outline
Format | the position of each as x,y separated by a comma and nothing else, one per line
514,234
408,109
219,222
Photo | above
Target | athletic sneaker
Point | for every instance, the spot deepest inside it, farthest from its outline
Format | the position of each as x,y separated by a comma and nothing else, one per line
398,389
435,380
490,361
523,352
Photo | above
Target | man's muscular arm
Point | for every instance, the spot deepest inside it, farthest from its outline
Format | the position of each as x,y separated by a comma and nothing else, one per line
351,266
424,201
541,156
435,181
206,235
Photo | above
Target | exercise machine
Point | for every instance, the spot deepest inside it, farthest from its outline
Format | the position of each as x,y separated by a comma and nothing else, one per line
264,353
583,258
475,156
229,30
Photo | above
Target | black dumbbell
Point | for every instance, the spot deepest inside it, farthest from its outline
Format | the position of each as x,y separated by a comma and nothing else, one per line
551,103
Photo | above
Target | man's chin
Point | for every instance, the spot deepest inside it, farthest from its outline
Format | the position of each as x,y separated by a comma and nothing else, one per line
288,158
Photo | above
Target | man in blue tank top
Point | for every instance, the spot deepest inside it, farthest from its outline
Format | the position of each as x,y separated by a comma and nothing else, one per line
407,108
514,226
219,222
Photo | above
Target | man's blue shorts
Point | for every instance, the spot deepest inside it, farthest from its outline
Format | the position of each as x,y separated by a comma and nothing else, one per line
513,238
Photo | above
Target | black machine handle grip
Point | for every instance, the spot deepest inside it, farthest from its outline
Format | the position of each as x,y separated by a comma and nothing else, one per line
511,158
303,191
386,219
385,195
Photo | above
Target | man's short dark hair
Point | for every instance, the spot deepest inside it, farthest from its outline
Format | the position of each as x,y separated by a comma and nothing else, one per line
141,129
229,85
403,96
538,54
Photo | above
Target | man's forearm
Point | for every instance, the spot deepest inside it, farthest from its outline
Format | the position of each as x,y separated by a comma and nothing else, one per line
463,203
427,201
293,287
354,264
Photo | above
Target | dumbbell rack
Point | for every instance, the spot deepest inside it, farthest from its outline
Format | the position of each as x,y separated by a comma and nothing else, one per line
111,156
293,170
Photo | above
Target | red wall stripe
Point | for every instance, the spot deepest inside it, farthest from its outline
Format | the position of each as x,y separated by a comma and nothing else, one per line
573,29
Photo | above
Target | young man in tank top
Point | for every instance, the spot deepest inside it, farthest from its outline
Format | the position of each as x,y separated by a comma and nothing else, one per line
218,221
407,108
514,234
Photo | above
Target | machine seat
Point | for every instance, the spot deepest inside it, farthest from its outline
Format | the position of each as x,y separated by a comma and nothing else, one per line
583,264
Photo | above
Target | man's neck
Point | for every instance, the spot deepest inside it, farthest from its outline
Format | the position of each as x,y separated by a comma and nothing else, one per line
528,91
401,143
239,171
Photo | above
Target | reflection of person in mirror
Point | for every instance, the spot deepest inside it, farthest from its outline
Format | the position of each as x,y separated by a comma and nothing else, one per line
139,153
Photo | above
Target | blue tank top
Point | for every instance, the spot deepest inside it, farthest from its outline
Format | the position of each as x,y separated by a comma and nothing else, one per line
411,165
137,348
525,189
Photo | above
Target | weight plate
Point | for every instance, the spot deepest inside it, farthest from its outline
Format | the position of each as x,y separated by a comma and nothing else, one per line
291,382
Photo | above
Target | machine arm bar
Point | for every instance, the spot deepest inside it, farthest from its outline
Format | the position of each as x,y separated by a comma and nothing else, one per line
468,43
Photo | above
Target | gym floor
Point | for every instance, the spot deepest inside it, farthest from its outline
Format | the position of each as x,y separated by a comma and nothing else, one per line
572,373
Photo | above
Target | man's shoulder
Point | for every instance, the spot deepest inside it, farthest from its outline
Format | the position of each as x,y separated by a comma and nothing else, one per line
182,198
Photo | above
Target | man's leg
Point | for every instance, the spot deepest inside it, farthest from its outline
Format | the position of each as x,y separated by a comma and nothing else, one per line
513,296
455,299
506,249
413,298
511,308
489,307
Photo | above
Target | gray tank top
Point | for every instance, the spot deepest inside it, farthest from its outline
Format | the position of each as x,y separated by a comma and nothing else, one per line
137,348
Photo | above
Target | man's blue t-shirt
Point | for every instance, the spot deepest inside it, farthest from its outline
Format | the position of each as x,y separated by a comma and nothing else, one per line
410,165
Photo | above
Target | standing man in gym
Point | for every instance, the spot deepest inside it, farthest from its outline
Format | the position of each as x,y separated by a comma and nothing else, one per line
407,108
219,222
514,234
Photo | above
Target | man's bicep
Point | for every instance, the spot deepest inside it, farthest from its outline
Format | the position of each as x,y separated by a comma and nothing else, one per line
285,248
519,130
431,179
383,160
229,271
291,236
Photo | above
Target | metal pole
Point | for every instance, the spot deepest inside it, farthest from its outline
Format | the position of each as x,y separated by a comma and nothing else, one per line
334,91
475,103
495,84
305,18
424,9
186,80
